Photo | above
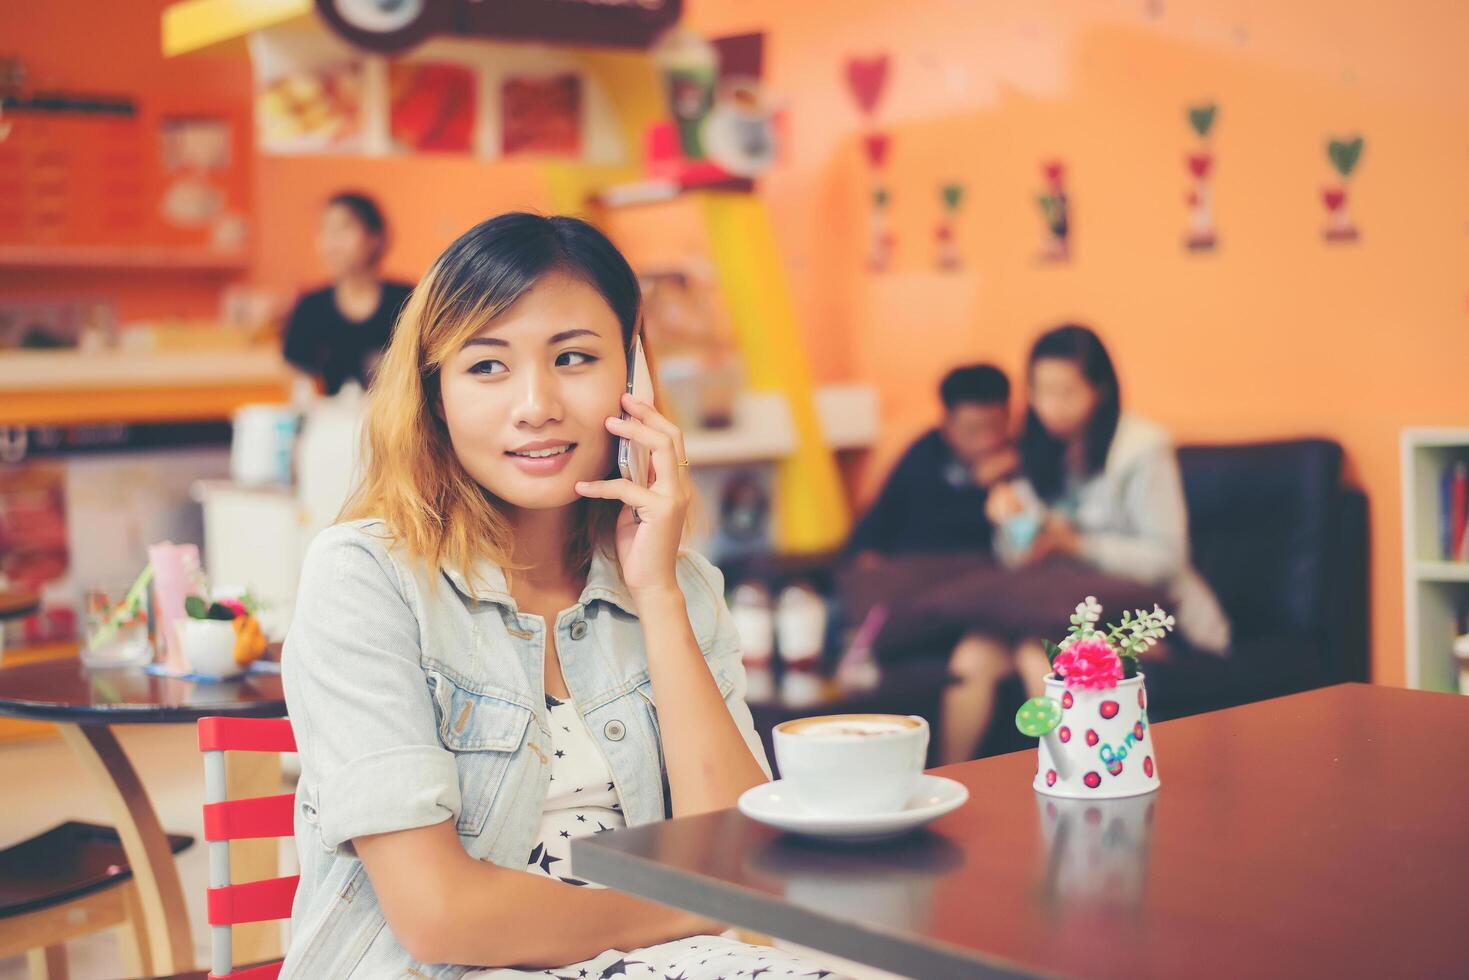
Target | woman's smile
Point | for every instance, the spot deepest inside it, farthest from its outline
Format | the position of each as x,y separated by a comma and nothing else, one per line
546,457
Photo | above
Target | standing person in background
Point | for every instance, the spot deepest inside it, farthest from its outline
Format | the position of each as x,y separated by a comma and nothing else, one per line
934,499
339,332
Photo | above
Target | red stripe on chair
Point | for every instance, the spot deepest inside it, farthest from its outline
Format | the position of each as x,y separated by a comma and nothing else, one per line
260,816
246,735
253,901
267,972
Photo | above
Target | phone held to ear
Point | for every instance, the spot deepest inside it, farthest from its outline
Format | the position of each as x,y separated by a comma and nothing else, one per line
633,460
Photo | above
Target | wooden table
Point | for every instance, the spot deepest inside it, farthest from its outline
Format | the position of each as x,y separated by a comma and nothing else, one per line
85,704
1315,835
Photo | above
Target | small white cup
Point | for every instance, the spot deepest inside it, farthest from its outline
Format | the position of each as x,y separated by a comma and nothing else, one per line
833,770
209,647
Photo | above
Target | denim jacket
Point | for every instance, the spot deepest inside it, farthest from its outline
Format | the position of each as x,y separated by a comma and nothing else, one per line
417,697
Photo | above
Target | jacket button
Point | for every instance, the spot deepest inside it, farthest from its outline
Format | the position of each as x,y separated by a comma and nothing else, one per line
614,730
578,629
309,812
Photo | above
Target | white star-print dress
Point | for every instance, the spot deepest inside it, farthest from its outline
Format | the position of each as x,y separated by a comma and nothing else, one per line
581,800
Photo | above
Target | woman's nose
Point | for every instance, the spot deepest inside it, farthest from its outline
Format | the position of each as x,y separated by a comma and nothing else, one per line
538,400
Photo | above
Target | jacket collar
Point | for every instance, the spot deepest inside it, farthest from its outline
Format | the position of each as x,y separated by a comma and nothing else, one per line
604,582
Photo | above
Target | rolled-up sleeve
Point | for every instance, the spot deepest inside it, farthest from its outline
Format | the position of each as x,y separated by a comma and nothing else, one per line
371,757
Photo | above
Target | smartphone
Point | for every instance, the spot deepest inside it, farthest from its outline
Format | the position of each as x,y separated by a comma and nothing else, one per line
633,460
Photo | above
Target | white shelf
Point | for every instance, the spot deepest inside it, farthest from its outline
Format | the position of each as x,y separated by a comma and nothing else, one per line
763,430
1442,571
1433,589
848,415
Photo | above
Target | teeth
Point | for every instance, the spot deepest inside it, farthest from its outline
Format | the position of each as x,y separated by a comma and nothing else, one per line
543,453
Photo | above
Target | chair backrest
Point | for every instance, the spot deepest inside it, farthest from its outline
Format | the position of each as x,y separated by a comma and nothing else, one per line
226,820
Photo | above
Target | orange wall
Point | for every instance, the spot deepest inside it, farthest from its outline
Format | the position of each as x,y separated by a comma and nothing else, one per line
1276,334
113,48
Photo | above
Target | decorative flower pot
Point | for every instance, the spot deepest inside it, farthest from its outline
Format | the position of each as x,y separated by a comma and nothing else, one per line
1103,746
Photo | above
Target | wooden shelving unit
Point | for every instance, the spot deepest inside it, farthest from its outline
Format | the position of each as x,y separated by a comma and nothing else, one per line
1434,587
120,257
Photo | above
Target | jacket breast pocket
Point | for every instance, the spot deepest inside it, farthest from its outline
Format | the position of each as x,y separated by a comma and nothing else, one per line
484,732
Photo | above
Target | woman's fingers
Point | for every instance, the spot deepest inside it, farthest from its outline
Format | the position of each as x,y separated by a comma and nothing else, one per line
651,417
661,444
624,490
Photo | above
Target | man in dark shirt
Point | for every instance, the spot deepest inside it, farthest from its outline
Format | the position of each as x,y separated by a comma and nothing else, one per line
933,501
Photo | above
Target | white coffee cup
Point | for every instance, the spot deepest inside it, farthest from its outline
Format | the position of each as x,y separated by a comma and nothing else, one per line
852,765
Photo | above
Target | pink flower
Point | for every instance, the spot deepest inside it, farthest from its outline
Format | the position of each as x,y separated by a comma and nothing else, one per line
234,605
1090,664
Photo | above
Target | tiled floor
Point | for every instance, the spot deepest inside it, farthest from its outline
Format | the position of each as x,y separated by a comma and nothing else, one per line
45,785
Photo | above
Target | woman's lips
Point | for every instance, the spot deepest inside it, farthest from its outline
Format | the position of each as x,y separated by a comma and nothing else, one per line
543,465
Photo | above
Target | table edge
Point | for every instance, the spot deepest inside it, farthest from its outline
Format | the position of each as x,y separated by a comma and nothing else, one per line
936,959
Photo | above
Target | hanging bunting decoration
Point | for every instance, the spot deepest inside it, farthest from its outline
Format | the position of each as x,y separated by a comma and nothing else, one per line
866,79
1056,210
1202,235
947,251
1344,156
880,238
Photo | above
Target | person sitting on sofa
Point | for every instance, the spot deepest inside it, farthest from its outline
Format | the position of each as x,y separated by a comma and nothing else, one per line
1103,486
934,499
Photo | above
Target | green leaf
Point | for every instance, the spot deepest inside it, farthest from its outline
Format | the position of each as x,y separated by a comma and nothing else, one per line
1201,118
952,194
221,612
1052,650
1129,667
1344,154
196,607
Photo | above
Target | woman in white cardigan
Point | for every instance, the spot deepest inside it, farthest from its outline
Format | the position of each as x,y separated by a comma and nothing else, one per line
1100,486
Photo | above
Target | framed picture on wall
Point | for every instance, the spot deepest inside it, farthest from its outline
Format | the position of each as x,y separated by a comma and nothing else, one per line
541,116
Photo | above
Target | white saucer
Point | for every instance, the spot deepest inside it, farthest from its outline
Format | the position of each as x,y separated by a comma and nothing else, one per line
770,803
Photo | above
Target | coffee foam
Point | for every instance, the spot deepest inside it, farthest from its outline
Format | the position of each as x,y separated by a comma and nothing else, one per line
850,726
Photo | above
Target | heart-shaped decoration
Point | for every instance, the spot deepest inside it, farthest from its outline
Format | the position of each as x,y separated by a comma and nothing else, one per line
1055,171
866,78
1199,163
952,195
876,145
1344,154
1201,118
1333,197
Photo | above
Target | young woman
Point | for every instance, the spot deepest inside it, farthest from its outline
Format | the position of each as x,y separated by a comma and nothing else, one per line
1103,487
502,649
338,333
1107,483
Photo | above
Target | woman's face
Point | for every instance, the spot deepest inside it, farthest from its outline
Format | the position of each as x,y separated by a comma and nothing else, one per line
343,244
526,400
1062,397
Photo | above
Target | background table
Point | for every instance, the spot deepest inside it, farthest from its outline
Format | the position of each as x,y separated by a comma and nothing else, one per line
84,704
1316,835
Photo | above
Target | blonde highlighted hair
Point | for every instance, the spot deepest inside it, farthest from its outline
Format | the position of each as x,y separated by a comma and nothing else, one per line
412,479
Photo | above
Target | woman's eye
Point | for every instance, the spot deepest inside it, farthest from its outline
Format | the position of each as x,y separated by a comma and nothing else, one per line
488,367
573,358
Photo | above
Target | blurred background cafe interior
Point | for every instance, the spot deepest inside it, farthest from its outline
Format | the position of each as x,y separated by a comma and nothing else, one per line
876,243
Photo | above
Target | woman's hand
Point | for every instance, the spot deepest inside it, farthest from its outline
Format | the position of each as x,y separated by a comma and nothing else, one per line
1002,503
1058,537
647,546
